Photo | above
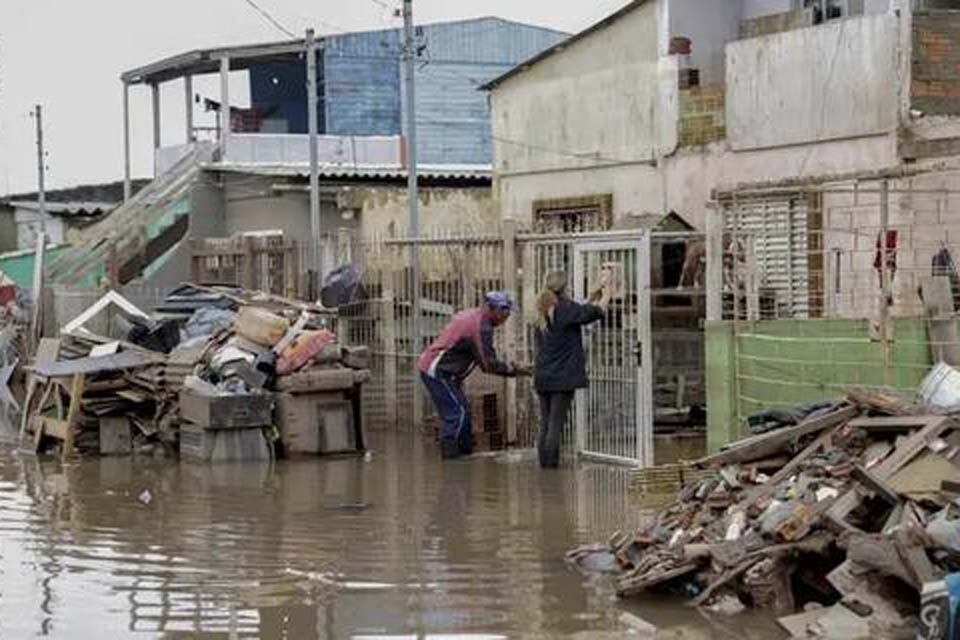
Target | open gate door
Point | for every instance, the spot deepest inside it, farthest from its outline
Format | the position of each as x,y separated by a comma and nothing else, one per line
614,416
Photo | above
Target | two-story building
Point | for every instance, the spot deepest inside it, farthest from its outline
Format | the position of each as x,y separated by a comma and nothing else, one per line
247,170
671,105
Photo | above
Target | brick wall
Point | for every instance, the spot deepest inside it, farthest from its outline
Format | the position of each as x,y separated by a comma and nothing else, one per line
702,116
935,88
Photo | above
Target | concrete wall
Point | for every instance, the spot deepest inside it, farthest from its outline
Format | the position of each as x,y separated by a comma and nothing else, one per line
757,8
251,204
690,175
787,372
780,132
589,120
830,82
29,222
635,189
597,101
383,210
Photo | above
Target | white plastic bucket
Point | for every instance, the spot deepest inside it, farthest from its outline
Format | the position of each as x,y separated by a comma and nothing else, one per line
941,387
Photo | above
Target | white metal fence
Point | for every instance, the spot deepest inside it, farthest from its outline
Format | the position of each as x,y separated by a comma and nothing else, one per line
456,273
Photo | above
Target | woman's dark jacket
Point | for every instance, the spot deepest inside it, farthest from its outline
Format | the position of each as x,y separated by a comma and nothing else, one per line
560,363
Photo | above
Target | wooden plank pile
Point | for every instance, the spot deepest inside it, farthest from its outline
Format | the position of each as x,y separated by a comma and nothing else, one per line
123,392
843,517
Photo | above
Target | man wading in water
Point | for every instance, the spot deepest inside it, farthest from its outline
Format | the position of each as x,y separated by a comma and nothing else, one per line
466,342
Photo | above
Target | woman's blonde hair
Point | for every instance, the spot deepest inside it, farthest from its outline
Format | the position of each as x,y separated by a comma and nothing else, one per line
553,287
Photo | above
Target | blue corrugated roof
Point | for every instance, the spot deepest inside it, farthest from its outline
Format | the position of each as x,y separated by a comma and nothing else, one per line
361,75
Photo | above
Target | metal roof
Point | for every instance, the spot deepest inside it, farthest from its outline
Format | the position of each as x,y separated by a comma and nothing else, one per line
479,173
65,208
202,61
560,46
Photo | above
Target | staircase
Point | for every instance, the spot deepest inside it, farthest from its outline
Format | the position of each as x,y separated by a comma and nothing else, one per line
122,244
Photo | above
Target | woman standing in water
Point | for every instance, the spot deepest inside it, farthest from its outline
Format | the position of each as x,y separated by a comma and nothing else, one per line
560,367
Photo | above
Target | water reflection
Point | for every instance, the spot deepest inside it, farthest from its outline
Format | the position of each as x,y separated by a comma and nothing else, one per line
401,546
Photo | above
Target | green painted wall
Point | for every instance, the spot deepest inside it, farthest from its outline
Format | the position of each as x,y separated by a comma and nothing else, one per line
782,363
18,266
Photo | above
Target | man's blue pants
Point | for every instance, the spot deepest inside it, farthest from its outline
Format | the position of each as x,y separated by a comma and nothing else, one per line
447,394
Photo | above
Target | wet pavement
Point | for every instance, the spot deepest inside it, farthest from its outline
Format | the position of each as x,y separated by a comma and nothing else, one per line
396,546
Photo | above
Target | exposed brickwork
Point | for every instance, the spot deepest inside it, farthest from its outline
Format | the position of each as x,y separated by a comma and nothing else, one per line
702,116
935,87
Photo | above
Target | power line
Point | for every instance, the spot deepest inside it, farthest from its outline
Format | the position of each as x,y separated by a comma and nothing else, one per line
269,18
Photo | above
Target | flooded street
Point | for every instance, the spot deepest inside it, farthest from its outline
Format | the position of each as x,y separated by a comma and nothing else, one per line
399,545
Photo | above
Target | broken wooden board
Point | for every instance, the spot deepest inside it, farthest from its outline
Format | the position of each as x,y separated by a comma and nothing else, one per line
770,486
924,476
315,380
891,424
932,427
880,554
880,402
724,578
47,351
772,443
799,624
117,362
839,623
875,485
915,558
73,414
632,585
115,436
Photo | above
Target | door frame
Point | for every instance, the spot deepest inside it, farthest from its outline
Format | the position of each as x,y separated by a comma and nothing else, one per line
640,244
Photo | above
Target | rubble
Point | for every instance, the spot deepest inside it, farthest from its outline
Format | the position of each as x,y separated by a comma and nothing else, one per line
855,514
200,376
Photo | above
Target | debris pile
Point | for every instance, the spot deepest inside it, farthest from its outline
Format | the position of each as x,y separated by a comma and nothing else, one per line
200,376
850,515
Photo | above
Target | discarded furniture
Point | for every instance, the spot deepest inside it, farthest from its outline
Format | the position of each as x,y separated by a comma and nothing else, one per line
319,411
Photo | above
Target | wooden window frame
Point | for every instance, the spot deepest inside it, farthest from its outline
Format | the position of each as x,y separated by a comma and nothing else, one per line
602,203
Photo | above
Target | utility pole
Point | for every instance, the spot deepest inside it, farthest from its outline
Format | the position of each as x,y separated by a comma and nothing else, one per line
314,286
41,171
409,58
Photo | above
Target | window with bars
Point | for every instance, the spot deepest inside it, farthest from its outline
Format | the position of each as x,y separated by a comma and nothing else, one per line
573,215
781,239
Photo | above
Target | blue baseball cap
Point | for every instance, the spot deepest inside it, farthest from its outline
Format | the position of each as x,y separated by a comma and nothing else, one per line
499,300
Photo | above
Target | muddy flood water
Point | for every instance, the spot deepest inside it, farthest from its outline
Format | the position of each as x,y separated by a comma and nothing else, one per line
398,545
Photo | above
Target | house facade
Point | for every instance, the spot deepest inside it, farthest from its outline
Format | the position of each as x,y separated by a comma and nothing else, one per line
672,105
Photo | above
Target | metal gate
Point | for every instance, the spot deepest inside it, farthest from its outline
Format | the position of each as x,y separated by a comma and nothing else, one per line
614,415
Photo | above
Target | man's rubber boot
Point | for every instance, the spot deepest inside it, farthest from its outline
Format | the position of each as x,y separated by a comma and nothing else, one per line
466,443
449,449
549,459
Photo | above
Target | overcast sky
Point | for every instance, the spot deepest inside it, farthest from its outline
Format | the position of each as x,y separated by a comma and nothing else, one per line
67,55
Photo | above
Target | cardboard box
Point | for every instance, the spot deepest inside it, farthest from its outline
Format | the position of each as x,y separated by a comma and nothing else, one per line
227,412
